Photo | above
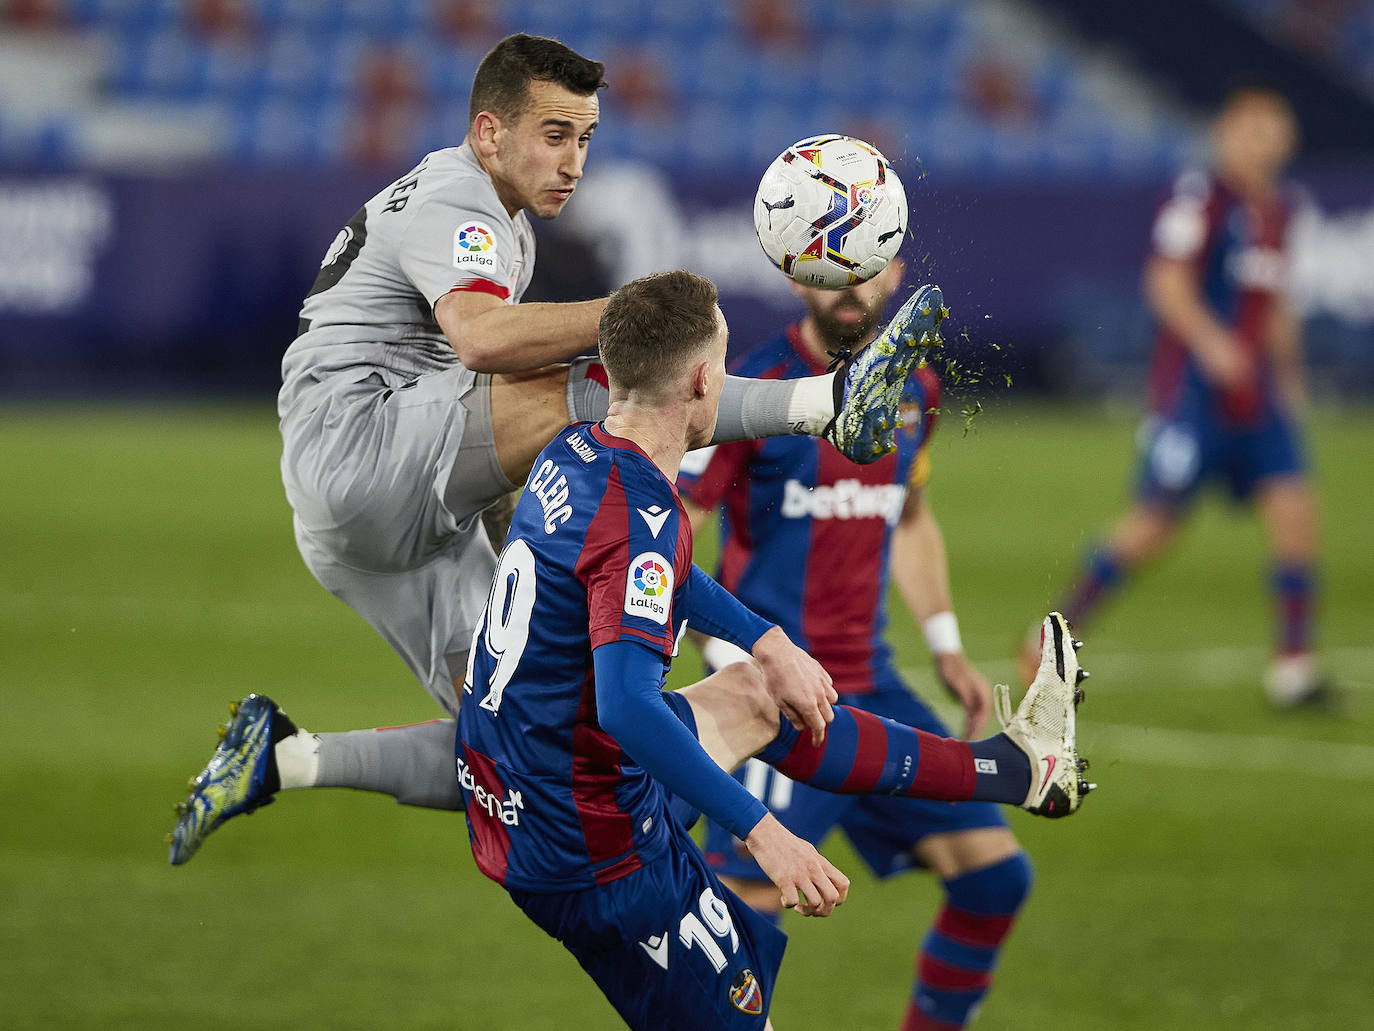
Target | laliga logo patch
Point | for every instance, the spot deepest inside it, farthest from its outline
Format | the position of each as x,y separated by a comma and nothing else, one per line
473,245
649,587
475,237
745,993
649,577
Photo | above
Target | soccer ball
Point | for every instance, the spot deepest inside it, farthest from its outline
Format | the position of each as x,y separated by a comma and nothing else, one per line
830,212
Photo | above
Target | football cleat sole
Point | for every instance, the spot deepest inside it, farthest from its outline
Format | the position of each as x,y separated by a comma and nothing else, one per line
1044,726
235,780
869,385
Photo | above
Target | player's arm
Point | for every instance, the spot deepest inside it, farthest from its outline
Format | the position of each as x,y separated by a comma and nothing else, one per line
1284,339
1173,295
797,683
920,569
631,708
489,335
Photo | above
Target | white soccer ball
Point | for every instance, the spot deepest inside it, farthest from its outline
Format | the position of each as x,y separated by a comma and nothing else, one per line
830,212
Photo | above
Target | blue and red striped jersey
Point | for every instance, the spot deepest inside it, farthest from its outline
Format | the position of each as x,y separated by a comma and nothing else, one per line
598,551
1237,248
805,533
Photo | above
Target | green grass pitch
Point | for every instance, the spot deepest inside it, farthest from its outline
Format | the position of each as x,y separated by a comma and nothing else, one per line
1220,879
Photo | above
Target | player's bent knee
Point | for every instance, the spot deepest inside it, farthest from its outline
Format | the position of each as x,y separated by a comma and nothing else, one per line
1004,886
734,714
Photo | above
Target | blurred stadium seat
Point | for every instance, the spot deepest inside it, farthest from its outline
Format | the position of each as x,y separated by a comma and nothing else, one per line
975,65
1034,147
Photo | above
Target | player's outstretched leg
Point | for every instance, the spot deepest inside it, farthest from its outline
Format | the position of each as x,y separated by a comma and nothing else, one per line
1044,725
262,752
854,406
239,778
869,385
1034,764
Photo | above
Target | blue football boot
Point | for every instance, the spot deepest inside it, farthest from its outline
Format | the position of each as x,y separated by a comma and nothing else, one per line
241,775
869,384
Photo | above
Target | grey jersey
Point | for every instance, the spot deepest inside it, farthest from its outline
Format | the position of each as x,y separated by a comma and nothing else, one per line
440,227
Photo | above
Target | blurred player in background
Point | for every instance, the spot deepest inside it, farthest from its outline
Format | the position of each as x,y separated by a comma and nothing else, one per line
569,748
418,393
1226,384
810,541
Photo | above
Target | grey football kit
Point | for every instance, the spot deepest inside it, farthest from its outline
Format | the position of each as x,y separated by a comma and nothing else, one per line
388,457
389,461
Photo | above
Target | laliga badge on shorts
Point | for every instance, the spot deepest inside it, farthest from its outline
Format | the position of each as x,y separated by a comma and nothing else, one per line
649,587
745,993
474,246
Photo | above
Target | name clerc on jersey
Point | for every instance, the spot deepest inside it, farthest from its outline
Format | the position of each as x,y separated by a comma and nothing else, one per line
580,447
846,499
550,486
507,809
649,587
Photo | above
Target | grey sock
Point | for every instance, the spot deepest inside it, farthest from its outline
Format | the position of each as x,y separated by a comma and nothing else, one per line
412,764
754,408
749,408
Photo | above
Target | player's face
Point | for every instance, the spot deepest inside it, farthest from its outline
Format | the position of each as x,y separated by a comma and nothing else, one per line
1255,137
538,158
846,318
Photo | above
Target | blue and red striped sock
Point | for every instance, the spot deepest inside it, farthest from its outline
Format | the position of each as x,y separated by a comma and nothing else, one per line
864,754
1293,586
1100,576
954,969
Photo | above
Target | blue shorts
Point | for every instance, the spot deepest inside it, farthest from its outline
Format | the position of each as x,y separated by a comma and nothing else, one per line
884,830
1181,450
669,945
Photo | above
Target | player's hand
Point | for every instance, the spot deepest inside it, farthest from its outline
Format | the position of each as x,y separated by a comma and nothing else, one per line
1226,363
805,879
969,688
797,683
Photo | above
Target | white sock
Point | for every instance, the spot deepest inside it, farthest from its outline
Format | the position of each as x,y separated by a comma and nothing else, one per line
298,759
812,404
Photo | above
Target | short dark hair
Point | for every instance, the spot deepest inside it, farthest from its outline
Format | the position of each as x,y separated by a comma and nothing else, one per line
652,324
502,82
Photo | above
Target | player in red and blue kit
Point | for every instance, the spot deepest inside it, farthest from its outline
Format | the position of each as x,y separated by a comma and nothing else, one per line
578,771
812,542
1226,382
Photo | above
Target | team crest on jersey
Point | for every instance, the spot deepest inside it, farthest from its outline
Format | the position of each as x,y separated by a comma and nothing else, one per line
473,246
649,587
746,995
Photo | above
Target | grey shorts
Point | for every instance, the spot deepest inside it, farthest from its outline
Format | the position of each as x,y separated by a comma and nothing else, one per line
388,485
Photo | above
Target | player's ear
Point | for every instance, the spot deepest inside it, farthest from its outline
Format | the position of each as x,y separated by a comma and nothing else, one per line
483,133
701,379
894,270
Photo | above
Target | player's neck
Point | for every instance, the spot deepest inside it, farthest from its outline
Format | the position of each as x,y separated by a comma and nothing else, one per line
660,433
511,204
1250,185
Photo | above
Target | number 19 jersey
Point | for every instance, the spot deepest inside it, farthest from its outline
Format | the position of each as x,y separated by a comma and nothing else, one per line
598,551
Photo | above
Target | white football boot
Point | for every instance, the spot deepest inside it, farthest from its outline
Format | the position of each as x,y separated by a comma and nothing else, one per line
1044,727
